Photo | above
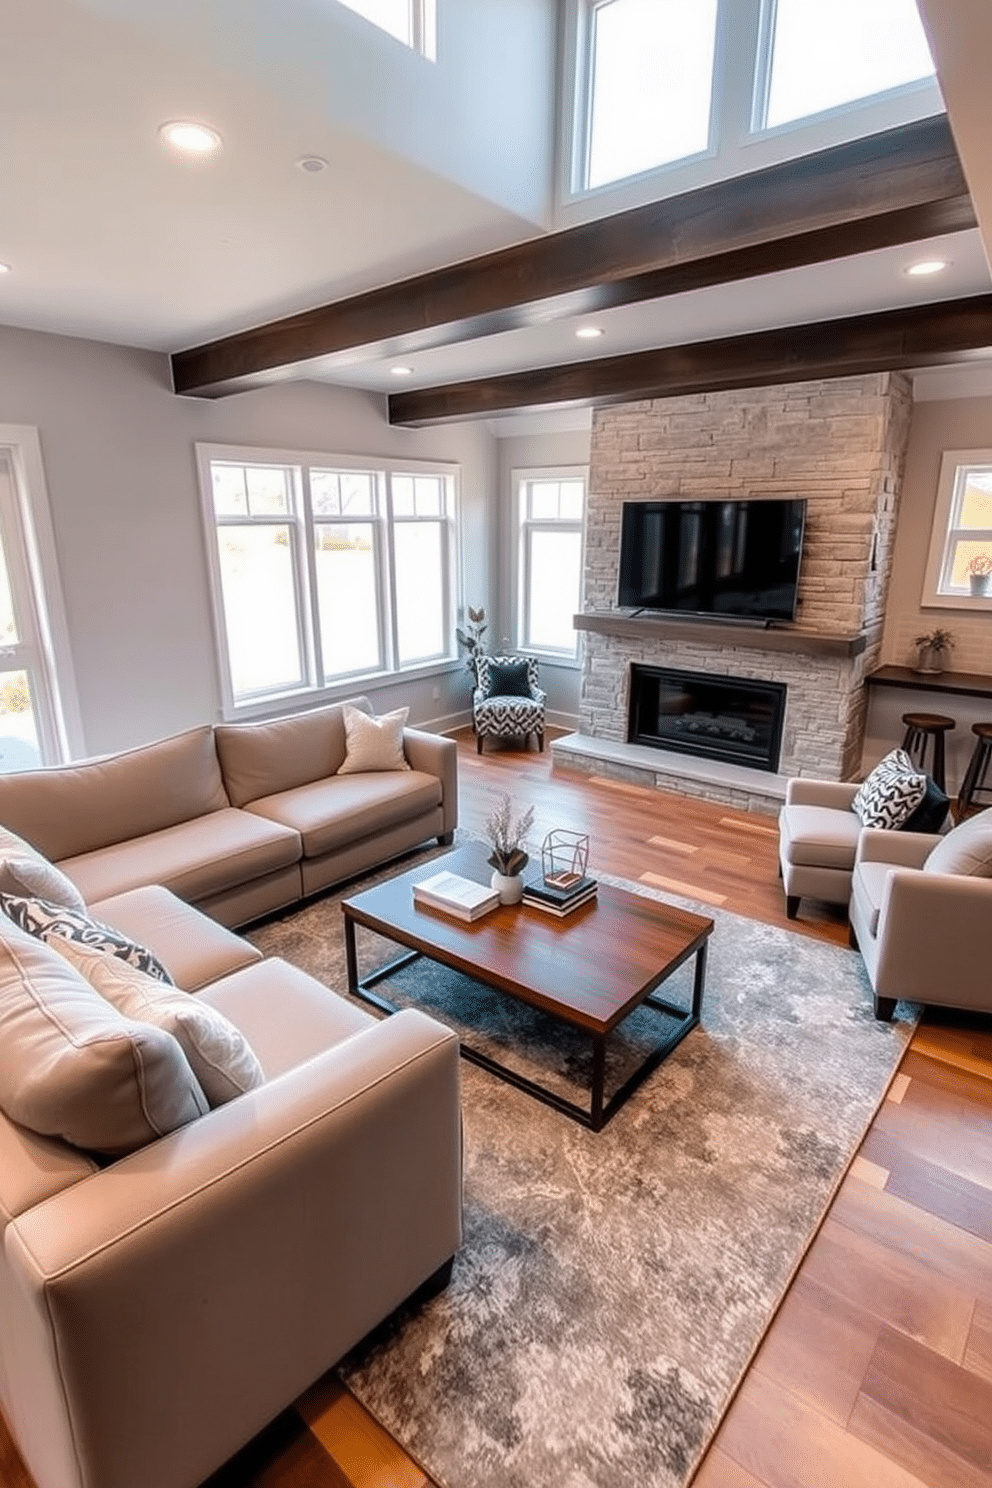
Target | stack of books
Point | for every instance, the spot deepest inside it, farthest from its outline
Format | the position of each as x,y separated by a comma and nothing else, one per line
455,895
559,898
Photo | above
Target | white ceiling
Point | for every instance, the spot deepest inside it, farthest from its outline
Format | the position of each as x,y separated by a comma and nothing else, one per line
111,237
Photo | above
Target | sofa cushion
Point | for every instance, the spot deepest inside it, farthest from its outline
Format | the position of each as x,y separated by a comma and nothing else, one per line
966,849
261,759
72,1066
194,859
311,1017
868,889
373,743
218,1053
192,945
49,921
891,792
23,870
69,810
819,836
330,814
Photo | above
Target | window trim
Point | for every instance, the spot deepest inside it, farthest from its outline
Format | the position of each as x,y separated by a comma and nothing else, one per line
302,521
519,480
952,461
60,721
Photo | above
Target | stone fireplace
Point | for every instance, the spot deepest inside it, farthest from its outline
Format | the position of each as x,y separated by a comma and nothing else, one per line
841,445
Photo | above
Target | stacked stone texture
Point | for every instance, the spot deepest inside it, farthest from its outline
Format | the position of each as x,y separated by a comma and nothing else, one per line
841,445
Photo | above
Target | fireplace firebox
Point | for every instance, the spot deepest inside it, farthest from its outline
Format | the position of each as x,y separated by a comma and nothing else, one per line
735,719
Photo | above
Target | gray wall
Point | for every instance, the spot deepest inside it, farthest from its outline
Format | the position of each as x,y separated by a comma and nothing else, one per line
118,451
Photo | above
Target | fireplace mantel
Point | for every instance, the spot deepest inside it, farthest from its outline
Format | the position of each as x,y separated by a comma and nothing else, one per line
725,633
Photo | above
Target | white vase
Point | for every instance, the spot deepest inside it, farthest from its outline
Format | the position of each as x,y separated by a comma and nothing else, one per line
509,886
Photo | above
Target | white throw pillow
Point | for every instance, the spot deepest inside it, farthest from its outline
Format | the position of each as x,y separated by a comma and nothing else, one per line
23,870
71,1066
967,848
891,793
373,743
219,1055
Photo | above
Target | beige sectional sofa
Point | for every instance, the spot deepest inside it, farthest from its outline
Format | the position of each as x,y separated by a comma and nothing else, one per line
158,1308
238,819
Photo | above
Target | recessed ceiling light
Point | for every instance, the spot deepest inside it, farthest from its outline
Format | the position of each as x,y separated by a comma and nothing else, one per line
4,268
401,371
927,266
192,139
311,164
589,333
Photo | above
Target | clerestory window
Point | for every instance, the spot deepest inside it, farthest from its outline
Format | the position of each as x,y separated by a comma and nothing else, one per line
819,56
413,22
325,571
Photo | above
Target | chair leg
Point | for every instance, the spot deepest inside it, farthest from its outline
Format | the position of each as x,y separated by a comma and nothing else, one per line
792,905
540,741
478,743
852,939
884,1008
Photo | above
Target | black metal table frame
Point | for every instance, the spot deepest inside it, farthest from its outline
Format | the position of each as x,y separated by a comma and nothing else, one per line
600,1110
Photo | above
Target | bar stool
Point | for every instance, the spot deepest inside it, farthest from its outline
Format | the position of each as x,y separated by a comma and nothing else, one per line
919,728
974,782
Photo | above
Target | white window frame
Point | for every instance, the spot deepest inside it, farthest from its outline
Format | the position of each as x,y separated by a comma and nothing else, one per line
44,651
521,480
937,592
302,523
422,22
738,140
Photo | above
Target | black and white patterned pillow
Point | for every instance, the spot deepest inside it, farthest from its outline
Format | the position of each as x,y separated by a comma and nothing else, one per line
45,921
891,793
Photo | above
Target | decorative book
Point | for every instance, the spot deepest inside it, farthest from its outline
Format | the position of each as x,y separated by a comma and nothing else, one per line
455,895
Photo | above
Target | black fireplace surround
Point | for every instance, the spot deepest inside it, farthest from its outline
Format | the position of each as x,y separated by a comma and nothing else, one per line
734,719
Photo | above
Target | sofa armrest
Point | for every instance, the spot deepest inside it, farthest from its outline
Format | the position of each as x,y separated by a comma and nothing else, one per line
799,791
902,849
436,755
247,1251
935,939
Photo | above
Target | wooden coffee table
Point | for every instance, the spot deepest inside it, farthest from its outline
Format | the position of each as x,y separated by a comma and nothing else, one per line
591,969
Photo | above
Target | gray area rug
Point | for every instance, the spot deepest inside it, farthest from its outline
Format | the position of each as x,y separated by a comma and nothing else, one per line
613,1287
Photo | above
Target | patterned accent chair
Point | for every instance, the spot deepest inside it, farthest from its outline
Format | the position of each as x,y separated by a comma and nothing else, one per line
504,713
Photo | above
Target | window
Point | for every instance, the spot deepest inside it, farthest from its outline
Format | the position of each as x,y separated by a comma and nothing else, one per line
650,69
413,22
551,505
961,540
325,571
820,56
37,698
691,86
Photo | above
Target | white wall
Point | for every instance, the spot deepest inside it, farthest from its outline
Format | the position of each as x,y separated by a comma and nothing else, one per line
117,447
482,114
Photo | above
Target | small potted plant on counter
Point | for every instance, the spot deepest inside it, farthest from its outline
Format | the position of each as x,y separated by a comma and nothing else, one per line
933,650
980,573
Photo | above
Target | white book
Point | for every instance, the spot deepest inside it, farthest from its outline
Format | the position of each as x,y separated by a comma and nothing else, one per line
462,896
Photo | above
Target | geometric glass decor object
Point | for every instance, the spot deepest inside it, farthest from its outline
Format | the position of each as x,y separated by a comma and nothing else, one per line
564,857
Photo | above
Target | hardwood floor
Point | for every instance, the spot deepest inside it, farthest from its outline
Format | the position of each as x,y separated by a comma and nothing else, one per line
878,1366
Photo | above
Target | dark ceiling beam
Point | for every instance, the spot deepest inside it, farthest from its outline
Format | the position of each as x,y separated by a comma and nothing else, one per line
900,186
921,335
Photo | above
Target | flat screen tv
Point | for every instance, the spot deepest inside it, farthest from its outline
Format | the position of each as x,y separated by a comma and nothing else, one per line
727,558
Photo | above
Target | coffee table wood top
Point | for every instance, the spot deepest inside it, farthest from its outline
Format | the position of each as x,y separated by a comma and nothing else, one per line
591,968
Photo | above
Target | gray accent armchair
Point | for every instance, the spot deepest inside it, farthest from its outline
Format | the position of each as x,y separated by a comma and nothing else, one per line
925,936
818,840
